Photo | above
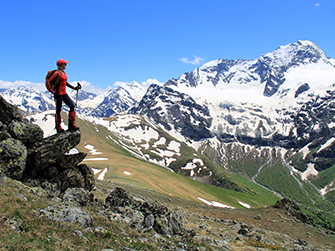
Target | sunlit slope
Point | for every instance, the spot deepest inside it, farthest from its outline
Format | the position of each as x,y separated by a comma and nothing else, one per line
125,168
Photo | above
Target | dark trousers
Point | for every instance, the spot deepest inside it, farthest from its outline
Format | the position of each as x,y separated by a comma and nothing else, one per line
59,99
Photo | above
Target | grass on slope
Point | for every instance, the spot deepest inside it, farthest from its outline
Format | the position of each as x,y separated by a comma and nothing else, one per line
150,176
325,177
276,177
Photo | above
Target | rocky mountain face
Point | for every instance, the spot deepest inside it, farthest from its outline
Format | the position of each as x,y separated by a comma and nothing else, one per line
168,107
284,99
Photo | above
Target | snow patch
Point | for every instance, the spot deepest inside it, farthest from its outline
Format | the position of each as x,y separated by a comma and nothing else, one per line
309,171
72,151
95,171
102,174
192,165
214,203
328,143
244,204
92,150
305,150
96,159
127,173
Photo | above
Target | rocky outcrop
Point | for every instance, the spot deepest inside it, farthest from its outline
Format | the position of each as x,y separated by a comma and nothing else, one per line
293,210
66,212
144,215
26,156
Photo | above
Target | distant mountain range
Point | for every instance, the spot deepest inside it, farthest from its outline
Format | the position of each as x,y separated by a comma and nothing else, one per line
117,100
270,120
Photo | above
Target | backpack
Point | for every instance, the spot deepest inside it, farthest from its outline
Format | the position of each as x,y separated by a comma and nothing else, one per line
54,84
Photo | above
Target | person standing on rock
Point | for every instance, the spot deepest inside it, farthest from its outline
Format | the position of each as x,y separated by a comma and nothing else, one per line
61,96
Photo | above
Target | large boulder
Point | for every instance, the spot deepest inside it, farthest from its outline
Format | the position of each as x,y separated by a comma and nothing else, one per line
48,150
27,133
76,195
66,212
13,156
9,112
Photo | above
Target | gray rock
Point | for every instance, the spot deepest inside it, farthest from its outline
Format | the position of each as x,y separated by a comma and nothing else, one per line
25,132
13,157
148,222
2,178
15,224
21,196
25,155
66,212
100,231
76,195
78,233
245,229
164,221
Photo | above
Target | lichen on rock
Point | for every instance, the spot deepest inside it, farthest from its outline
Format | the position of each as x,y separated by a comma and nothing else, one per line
13,156
66,212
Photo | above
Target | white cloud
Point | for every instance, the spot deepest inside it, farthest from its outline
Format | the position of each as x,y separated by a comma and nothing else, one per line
7,84
196,61
87,86
317,5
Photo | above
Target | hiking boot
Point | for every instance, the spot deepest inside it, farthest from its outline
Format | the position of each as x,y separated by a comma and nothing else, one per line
58,120
72,118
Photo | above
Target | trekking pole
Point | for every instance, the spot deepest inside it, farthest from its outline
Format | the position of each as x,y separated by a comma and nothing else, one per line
79,87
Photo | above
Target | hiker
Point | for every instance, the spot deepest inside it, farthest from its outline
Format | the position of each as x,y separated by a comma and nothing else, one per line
61,96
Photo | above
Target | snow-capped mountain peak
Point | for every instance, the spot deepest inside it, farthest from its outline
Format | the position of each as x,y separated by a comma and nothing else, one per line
119,99
28,99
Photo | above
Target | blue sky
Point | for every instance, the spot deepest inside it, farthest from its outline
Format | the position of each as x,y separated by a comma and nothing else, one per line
135,40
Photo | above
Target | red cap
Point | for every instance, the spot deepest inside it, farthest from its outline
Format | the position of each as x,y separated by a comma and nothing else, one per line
61,62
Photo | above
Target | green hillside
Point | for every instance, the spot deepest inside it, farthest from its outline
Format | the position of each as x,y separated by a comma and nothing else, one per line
151,176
